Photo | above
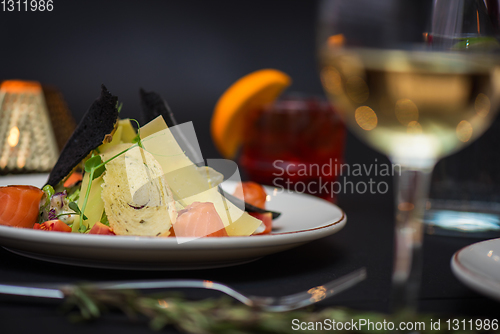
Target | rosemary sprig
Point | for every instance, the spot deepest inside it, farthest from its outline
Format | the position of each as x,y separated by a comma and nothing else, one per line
222,315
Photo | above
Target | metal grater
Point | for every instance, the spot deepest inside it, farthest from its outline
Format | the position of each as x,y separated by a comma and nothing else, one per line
28,142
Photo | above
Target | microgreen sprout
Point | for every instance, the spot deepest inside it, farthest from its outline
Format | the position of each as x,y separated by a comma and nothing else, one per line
119,106
137,139
73,206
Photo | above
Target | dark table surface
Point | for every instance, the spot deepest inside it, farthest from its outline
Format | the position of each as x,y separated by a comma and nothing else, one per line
366,240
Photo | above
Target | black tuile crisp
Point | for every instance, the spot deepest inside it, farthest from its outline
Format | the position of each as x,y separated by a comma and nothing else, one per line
153,106
97,122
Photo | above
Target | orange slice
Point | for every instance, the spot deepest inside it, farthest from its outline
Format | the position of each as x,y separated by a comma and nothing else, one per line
246,96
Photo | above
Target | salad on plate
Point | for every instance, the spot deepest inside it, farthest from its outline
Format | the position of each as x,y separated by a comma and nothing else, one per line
115,178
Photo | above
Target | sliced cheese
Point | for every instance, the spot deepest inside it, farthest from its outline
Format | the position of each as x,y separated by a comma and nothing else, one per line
95,205
124,133
188,185
128,132
115,141
152,127
136,197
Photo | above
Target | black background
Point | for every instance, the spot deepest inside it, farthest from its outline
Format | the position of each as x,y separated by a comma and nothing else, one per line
190,51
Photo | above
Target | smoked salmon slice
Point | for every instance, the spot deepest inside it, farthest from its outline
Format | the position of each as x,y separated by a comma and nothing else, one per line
19,205
199,220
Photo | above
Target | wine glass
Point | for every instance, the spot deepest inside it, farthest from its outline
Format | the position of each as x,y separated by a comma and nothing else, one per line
417,80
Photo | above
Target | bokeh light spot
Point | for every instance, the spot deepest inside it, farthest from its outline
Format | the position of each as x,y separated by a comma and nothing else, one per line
13,137
482,105
332,81
357,89
336,40
414,128
406,111
318,293
464,131
366,118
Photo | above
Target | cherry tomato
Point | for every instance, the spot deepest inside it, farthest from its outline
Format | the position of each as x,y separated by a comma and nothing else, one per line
253,193
100,228
53,225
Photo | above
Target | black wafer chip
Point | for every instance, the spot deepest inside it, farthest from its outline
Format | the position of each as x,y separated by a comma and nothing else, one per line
153,106
97,122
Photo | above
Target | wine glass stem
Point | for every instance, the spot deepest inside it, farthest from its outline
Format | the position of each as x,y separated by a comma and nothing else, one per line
411,198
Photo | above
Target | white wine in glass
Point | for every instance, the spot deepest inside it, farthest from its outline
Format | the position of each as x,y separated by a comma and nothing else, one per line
413,106
416,80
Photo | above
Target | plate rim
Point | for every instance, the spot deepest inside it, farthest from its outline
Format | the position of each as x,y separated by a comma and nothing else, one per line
473,279
64,238
150,242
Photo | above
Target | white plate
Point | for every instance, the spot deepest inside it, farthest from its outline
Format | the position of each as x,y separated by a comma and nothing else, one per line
478,266
37,180
303,219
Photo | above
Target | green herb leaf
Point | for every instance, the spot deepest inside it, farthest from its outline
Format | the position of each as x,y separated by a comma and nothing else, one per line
73,206
83,228
136,139
49,191
119,106
93,163
74,196
104,218
98,172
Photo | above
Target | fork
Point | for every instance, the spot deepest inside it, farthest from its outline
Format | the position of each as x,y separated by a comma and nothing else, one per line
270,304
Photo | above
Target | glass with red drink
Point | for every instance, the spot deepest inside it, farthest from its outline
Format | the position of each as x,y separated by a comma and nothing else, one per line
295,144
